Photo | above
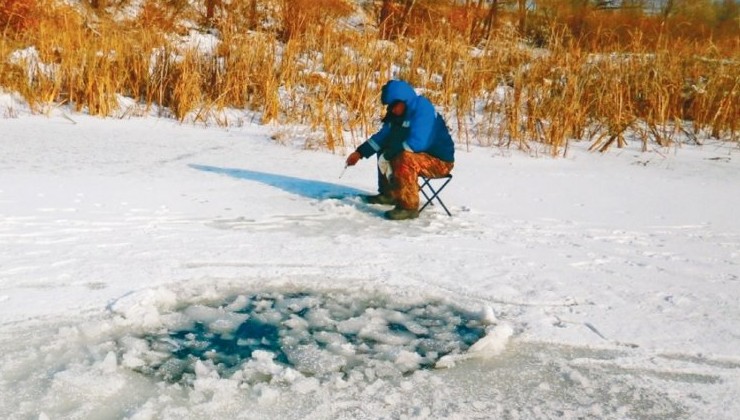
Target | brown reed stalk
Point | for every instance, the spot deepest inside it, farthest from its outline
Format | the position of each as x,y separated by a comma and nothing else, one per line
498,91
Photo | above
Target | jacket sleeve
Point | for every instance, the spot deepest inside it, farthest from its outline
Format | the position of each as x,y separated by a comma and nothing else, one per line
376,142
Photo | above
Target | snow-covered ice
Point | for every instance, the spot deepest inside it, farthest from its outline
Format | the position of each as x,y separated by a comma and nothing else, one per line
608,285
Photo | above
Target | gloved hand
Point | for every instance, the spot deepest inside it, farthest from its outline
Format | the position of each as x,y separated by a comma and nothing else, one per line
353,158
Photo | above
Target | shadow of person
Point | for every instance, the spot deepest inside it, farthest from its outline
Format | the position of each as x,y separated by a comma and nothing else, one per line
318,190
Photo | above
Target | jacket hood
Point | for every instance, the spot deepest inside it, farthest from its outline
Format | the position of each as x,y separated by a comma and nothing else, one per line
397,90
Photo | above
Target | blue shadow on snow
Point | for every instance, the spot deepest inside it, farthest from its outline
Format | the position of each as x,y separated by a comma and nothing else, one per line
317,190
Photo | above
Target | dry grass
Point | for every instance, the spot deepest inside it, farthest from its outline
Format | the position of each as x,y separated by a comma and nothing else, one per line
18,16
602,84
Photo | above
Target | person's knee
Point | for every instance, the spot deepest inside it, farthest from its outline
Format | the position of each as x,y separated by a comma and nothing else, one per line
403,159
404,155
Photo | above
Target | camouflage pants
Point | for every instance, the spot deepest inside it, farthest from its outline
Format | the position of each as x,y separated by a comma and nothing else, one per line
403,183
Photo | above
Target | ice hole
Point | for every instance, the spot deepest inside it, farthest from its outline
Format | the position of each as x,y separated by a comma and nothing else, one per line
269,336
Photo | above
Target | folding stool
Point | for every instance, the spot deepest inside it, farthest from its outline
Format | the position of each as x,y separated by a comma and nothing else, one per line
431,193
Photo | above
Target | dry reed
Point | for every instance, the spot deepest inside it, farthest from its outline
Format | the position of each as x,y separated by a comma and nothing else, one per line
323,75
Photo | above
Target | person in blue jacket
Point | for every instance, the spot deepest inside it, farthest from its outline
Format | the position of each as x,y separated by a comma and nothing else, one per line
414,140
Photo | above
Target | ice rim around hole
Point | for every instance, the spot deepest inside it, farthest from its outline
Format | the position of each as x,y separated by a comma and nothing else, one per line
270,336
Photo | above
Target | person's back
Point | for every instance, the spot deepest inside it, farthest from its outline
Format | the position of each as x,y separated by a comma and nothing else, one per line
442,146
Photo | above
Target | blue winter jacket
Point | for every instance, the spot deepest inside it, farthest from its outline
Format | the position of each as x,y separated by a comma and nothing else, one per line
420,129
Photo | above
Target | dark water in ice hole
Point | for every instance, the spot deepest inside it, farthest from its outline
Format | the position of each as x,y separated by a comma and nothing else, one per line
430,330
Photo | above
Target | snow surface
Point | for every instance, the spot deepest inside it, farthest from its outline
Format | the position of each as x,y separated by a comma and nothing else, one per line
610,283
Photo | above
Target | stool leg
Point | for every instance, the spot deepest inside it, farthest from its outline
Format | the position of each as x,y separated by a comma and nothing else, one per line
428,199
434,194
439,200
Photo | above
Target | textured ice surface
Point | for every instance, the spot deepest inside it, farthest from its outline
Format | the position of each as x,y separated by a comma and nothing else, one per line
322,336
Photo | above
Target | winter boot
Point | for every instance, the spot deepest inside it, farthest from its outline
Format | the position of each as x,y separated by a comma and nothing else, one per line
399,213
379,199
